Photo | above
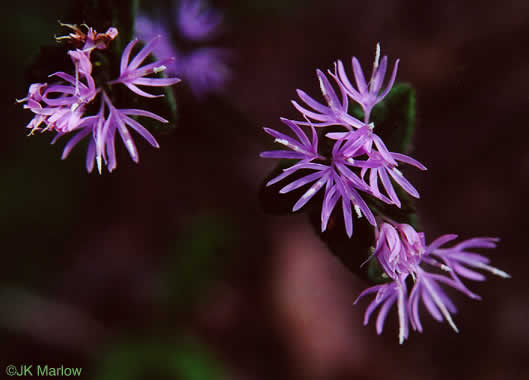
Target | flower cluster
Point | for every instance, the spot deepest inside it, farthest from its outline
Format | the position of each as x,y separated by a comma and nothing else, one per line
203,67
401,250
358,160
348,160
62,107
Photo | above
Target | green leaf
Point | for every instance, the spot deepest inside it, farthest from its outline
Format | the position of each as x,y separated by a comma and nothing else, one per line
185,359
394,118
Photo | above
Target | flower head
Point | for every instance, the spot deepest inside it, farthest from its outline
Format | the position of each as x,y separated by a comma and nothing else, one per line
62,106
332,173
196,21
367,94
403,255
200,65
132,75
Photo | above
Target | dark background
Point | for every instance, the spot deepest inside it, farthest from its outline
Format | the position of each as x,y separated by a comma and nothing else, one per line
169,268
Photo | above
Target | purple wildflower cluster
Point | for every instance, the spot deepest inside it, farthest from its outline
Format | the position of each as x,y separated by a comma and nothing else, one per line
358,160
61,107
202,66
401,250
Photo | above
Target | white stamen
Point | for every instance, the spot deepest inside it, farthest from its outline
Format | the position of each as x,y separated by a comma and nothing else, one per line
441,307
402,319
371,125
282,141
358,211
493,270
351,160
159,69
322,88
98,160
445,268
377,57
397,171
130,146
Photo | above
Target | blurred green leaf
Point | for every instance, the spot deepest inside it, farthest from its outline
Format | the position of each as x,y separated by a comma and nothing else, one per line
200,254
184,359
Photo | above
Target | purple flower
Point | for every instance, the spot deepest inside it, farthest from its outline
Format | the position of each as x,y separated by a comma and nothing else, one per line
336,110
132,75
196,21
333,173
204,68
401,252
383,164
374,147
101,147
62,106
367,94
386,295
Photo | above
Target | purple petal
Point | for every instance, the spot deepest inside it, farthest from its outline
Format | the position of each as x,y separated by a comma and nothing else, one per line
142,131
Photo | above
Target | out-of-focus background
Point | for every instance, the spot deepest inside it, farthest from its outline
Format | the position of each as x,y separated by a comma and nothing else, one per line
169,268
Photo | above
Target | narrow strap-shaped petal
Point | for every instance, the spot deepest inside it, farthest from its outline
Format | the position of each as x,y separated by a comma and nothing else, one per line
382,314
73,142
316,116
383,150
126,55
355,95
127,138
359,76
378,77
403,182
142,131
143,53
140,92
282,154
90,156
389,187
310,193
438,302
301,182
441,240
111,148
430,306
311,102
413,303
156,82
329,202
408,160
467,273
297,130
375,303
328,91
391,81
138,112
